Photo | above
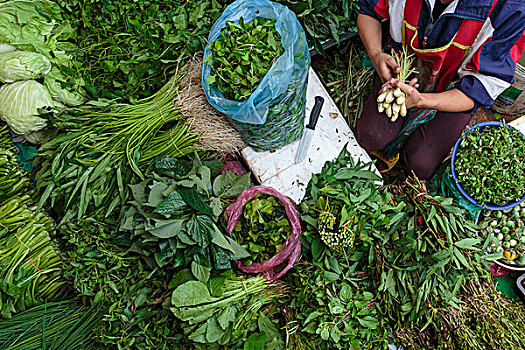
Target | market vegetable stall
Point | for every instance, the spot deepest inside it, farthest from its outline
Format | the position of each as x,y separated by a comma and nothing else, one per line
131,234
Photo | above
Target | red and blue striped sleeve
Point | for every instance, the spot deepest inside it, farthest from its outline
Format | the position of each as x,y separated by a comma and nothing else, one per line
377,9
491,69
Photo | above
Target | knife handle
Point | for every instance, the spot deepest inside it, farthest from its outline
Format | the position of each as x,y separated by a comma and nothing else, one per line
316,111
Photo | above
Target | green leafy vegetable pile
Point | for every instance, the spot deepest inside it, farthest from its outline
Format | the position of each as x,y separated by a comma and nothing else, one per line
175,217
126,49
262,229
242,55
325,19
333,305
98,263
416,248
490,165
224,309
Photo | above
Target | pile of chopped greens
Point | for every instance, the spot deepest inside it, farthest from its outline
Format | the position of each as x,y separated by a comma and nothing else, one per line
262,229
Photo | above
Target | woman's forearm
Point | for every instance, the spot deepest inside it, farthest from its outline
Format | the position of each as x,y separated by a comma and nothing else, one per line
370,32
453,100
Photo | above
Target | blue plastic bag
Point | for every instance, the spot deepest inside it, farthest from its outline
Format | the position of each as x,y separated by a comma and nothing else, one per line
274,113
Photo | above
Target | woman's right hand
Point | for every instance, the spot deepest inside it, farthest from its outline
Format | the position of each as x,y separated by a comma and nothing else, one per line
386,66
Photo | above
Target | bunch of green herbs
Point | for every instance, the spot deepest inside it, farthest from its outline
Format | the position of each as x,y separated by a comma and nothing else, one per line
490,165
103,270
242,55
30,267
127,49
325,19
262,229
221,310
87,166
332,305
417,249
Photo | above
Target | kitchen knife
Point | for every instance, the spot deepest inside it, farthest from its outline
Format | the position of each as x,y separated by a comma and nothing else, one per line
308,133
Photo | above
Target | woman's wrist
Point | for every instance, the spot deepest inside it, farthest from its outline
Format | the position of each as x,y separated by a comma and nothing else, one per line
447,101
426,101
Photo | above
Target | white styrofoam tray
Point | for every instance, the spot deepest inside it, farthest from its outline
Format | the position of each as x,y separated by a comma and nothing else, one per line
277,169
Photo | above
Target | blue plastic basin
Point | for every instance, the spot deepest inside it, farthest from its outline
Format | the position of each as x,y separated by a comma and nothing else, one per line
488,205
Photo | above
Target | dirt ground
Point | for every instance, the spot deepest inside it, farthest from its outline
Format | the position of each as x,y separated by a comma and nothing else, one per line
486,115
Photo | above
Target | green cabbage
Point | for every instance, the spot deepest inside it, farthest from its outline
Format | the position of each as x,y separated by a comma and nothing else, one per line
66,93
5,48
20,105
36,26
28,24
23,65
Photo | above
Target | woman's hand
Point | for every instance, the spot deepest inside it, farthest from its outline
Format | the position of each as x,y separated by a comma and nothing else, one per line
412,96
386,66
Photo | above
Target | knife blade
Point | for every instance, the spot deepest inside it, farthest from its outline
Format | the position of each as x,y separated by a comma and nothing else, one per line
308,133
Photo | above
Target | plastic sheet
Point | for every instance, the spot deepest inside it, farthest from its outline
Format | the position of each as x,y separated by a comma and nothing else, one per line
443,182
291,249
273,115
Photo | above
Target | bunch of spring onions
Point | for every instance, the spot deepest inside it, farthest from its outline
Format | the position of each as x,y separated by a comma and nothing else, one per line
29,266
392,101
88,166
64,325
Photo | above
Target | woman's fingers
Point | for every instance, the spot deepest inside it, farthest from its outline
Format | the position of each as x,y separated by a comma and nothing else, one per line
387,85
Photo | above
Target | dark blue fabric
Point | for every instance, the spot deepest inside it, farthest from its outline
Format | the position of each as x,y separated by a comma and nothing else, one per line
508,20
472,87
366,7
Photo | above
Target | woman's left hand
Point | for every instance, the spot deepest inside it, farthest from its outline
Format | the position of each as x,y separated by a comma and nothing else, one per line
412,96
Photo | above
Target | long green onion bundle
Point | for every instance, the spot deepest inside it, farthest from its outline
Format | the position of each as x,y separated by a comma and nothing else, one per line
29,266
54,326
89,164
